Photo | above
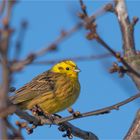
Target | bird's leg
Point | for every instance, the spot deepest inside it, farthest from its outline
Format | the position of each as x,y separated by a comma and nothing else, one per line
37,111
74,113
51,117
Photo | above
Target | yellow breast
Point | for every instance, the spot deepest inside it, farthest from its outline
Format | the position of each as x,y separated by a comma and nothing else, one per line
65,95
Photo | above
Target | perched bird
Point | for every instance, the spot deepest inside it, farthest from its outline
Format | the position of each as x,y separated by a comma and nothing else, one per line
53,90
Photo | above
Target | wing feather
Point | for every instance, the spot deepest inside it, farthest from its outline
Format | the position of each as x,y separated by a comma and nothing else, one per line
41,84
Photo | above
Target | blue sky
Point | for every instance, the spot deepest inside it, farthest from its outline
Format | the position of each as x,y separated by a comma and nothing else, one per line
99,88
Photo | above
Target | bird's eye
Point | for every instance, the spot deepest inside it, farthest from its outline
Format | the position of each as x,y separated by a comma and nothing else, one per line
67,68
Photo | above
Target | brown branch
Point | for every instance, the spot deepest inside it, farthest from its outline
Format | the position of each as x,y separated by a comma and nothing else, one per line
117,55
75,131
41,120
3,91
134,133
20,39
16,133
91,26
2,7
79,58
17,66
103,110
6,75
126,28
53,46
83,7
63,121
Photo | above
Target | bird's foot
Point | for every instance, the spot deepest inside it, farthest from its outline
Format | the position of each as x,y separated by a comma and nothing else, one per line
50,117
37,111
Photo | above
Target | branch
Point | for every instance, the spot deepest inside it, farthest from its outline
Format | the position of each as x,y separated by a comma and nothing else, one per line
17,66
134,133
4,47
5,109
127,30
126,27
2,7
78,58
101,111
77,132
41,120
117,55
91,26
53,46
20,39
65,126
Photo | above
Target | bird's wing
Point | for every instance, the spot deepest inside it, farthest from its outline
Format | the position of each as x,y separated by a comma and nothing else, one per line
41,84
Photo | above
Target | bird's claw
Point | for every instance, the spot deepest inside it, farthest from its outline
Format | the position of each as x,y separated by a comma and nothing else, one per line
36,110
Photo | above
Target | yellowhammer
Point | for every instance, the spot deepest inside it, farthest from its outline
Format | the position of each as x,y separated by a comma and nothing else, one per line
53,90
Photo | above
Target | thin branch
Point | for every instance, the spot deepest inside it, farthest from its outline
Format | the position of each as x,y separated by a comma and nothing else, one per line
16,133
2,7
52,47
117,55
91,26
89,23
79,58
20,39
75,131
58,121
83,7
103,110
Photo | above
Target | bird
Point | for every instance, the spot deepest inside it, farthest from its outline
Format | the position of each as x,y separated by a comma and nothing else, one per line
53,91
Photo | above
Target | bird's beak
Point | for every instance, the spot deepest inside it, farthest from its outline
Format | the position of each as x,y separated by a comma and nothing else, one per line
77,70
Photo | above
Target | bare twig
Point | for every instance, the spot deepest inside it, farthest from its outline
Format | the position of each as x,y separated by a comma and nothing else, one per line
20,40
41,121
16,134
79,58
58,121
127,29
117,55
103,110
91,26
53,46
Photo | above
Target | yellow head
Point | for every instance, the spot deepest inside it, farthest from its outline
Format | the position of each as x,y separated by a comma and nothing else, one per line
67,67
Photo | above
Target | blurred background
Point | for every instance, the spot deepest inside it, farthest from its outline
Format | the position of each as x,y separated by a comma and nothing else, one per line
45,21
